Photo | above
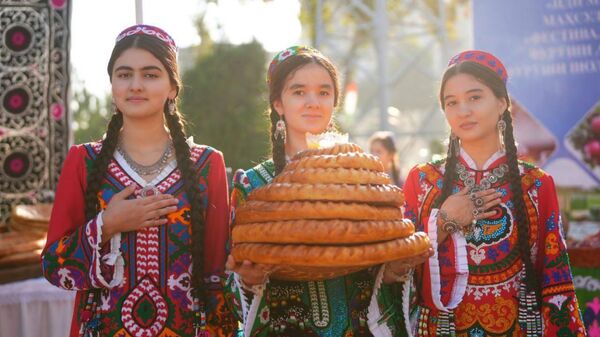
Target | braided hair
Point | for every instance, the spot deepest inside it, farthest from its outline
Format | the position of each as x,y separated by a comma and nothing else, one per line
175,123
495,83
279,76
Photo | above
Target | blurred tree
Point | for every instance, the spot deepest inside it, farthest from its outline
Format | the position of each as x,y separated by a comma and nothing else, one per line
90,116
224,102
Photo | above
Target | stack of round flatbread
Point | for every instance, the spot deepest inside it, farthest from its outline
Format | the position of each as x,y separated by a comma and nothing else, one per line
330,212
31,219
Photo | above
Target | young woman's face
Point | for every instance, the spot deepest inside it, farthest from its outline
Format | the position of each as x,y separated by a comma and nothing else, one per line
140,84
472,109
380,151
307,100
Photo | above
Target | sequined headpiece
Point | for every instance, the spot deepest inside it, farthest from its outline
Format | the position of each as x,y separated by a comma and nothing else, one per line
286,53
484,58
150,31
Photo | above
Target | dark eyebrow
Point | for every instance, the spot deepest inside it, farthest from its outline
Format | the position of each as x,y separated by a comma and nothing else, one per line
468,92
146,68
298,86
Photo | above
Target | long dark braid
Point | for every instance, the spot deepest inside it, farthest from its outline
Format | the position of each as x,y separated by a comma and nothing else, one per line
98,169
449,172
522,219
192,188
277,78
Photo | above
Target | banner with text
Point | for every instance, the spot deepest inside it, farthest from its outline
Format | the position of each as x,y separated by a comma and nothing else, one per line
551,49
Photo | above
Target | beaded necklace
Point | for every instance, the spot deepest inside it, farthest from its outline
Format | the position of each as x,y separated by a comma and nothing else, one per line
147,170
485,183
318,302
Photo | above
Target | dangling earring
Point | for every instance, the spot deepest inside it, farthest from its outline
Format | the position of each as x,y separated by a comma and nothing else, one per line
501,129
454,145
171,107
114,108
280,129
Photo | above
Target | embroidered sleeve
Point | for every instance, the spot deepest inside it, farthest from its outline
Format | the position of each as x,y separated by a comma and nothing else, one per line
249,305
220,320
73,258
388,303
560,310
236,298
443,278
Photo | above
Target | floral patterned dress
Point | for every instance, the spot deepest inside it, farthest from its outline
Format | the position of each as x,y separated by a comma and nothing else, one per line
354,305
138,284
473,286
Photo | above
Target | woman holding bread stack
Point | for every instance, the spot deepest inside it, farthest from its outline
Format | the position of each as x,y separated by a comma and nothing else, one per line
501,266
354,300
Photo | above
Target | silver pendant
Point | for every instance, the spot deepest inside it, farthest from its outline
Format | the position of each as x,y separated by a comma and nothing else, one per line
149,191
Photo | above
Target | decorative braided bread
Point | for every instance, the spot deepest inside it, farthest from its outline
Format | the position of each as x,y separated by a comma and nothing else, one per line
333,256
372,194
336,149
350,160
266,211
332,176
328,232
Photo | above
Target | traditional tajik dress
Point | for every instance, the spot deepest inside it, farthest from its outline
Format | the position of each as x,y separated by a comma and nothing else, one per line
473,286
354,305
138,284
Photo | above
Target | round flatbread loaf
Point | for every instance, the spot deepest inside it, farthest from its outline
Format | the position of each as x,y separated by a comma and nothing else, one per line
332,256
328,232
349,160
372,194
336,149
265,211
332,176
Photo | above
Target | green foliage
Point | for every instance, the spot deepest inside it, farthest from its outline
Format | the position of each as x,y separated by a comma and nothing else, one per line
224,102
90,116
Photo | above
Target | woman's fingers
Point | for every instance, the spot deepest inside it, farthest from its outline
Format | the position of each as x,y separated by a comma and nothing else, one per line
156,198
153,223
157,213
163,202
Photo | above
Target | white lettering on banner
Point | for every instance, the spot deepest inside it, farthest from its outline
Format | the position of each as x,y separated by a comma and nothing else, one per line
570,4
561,52
571,19
584,67
565,35
529,70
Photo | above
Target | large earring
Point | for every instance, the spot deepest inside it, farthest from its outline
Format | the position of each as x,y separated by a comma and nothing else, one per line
280,129
454,145
114,109
171,107
501,129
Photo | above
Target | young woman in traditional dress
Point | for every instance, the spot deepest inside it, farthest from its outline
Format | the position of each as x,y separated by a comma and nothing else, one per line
501,265
140,220
304,91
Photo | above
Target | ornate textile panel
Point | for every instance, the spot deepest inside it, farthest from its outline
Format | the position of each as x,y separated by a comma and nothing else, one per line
34,80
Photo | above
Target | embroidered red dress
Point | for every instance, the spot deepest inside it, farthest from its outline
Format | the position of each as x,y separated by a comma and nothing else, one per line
141,278
473,285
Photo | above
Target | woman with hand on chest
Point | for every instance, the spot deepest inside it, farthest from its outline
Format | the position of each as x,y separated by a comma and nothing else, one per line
501,266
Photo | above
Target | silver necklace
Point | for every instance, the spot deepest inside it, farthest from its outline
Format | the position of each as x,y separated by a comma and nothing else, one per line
485,183
146,170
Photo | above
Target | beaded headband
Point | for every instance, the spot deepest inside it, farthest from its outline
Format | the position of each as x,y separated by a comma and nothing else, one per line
484,58
286,53
150,31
